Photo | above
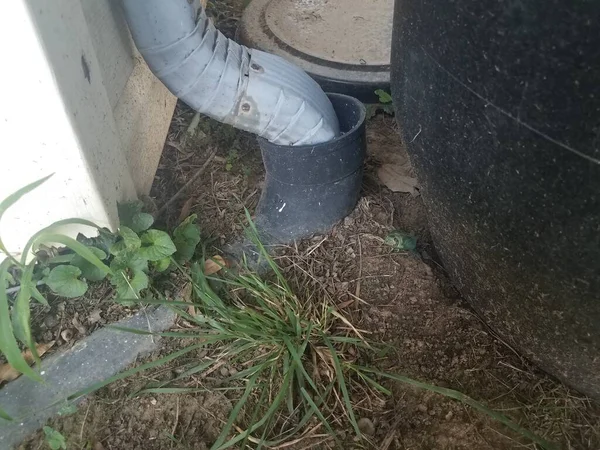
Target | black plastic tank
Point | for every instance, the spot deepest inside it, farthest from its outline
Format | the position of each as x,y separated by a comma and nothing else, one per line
499,105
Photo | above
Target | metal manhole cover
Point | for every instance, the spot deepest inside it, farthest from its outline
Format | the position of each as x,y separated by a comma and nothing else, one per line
343,44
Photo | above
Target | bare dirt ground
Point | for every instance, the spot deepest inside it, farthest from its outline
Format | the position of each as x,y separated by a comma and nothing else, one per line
404,299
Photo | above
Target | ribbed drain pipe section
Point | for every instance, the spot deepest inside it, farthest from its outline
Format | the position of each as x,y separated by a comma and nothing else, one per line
249,89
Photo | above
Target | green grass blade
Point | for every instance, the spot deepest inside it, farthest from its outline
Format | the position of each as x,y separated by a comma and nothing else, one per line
11,200
235,413
51,229
4,415
77,247
128,373
149,301
308,415
352,341
35,293
456,395
257,408
254,236
21,314
8,342
299,365
342,384
317,412
186,374
275,405
378,387
186,390
243,374
174,334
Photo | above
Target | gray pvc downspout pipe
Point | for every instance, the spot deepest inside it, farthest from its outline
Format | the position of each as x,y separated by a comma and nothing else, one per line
249,89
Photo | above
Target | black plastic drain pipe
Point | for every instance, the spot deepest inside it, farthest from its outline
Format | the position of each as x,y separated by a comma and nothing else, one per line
308,188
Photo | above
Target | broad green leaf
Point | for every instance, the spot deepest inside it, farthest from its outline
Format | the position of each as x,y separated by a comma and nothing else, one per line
129,260
15,197
54,439
131,216
21,313
156,245
384,97
141,222
127,210
77,247
8,343
67,409
186,238
162,264
64,281
129,285
4,415
103,241
130,241
88,270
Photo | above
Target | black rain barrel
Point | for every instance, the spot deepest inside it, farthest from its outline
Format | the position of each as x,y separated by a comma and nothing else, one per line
499,104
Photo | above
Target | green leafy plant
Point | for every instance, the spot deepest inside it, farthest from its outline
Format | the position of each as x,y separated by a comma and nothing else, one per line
385,104
54,439
123,258
15,321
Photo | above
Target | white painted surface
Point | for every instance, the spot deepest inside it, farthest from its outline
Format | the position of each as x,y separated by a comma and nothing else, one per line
77,101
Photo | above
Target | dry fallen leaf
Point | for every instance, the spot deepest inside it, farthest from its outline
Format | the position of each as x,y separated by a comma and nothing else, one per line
7,373
213,265
397,178
346,304
185,295
185,209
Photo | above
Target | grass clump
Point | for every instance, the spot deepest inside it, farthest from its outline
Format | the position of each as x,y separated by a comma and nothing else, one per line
301,358
296,354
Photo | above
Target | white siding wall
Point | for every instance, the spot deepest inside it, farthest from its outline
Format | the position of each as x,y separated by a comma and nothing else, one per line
75,100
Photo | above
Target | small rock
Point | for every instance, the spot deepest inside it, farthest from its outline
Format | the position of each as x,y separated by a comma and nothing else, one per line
224,371
366,426
153,401
47,336
50,321
67,335
421,407
77,324
94,316
449,415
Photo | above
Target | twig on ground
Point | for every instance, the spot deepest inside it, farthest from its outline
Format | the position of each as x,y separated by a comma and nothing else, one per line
188,184
87,411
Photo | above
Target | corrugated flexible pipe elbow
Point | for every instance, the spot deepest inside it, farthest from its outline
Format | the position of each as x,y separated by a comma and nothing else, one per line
249,89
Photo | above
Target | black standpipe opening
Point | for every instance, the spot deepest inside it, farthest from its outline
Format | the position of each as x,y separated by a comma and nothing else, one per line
309,188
